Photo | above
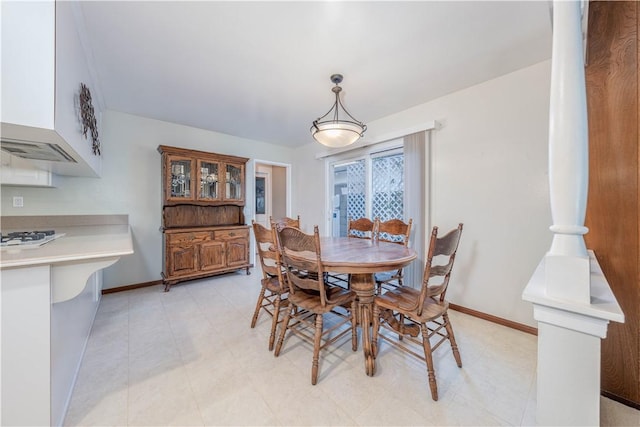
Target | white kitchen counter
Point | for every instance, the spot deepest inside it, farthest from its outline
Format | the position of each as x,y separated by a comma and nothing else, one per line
49,297
78,243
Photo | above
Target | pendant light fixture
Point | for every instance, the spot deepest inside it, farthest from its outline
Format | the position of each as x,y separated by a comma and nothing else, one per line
333,131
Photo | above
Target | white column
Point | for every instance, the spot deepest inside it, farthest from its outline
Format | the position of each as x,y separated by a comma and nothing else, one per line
572,300
567,266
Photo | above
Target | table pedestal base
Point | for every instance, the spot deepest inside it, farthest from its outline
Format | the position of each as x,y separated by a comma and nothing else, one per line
364,286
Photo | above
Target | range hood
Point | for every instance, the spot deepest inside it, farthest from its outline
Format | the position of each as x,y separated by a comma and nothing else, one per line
35,150
45,149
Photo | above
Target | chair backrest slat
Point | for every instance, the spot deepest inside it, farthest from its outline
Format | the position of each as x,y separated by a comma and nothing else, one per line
394,231
267,252
361,228
442,250
302,273
285,222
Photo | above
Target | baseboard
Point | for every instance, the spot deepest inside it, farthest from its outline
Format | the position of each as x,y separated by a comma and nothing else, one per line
495,319
619,399
131,287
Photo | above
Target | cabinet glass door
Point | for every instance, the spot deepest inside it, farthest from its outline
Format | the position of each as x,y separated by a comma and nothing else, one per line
234,182
209,181
180,183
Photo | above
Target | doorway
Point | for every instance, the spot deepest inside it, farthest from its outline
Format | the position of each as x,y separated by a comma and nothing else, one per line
263,206
272,192
272,184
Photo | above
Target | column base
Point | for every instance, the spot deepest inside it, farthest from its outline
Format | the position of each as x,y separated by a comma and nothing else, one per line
569,334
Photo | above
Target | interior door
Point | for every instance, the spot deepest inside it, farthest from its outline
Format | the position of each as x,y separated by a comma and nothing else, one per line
263,195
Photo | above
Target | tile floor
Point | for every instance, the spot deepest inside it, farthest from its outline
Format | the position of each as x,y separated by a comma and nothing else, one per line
189,357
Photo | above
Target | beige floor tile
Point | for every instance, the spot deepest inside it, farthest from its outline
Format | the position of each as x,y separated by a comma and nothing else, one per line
189,357
164,398
238,405
98,408
613,413
307,405
352,390
392,411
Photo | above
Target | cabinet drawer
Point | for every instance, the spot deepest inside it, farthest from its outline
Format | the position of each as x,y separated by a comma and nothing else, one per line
195,237
231,234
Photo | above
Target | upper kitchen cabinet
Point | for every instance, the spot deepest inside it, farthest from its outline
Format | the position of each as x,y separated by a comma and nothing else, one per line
44,66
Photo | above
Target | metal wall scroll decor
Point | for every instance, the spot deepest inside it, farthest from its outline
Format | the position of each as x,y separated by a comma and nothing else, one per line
89,123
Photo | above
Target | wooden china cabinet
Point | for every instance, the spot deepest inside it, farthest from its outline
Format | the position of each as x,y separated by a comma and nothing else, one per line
203,227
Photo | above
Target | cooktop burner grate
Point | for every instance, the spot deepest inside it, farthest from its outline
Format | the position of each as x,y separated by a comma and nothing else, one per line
27,237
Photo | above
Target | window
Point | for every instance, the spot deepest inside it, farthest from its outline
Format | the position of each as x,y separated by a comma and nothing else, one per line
368,186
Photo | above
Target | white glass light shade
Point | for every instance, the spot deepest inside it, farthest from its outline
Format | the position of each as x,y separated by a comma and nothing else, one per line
336,134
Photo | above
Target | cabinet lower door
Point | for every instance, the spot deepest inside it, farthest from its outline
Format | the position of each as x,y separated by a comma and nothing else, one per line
182,260
237,252
212,256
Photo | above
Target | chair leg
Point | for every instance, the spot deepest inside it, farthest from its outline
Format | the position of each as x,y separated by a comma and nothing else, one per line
258,307
429,359
316,349
283,330
354,326
401,327
274,321
376,330
452,340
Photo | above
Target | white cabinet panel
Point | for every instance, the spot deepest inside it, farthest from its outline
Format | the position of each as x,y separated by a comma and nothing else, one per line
28,63
26,341
43,65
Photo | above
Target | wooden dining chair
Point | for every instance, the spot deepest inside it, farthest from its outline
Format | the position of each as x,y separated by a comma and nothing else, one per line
394,231
406,312
285,222
310,299
273,291
362,228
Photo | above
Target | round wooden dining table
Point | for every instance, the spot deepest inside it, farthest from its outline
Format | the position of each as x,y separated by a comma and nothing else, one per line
361,258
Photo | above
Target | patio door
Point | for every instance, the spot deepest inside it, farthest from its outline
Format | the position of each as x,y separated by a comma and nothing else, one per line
368,186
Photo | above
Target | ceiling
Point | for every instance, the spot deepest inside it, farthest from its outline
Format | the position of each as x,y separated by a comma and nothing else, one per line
260,70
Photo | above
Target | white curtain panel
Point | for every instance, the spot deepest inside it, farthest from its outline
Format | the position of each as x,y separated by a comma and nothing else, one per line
416,170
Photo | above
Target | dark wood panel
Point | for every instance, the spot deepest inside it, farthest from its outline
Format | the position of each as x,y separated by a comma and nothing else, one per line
202,216
182,260
237,252
212,256
613,203
205,155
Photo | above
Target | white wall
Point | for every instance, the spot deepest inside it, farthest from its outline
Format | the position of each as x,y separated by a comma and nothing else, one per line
489,171
131,184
